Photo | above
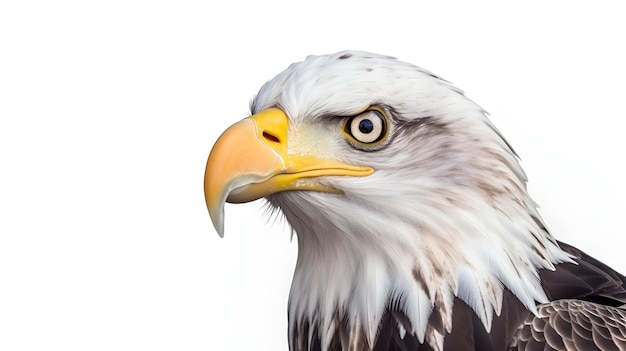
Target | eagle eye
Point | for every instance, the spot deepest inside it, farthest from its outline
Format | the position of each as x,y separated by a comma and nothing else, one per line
368,127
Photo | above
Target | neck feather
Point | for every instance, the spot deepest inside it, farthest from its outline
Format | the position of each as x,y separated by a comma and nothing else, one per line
353,267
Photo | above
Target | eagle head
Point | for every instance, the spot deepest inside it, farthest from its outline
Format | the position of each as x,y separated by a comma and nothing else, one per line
402,194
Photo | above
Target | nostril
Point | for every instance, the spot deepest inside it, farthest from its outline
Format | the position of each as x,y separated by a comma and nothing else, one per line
271,137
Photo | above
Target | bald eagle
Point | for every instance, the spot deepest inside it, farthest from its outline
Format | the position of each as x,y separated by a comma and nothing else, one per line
415,228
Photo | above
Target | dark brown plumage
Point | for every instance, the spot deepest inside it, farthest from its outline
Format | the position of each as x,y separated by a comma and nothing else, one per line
584,315
585,312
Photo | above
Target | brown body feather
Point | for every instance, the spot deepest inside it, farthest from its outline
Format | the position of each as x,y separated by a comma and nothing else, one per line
583,314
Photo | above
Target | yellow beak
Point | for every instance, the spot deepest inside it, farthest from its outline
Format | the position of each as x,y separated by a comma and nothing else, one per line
250,160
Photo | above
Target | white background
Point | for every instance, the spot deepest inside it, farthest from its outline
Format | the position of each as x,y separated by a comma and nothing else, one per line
109,109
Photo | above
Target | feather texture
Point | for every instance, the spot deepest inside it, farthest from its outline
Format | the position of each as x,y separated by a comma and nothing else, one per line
571,325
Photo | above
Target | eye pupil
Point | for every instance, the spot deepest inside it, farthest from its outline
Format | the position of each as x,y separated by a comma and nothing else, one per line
366,126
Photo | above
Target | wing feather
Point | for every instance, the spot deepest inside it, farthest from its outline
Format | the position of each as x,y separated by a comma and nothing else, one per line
569,325
585,312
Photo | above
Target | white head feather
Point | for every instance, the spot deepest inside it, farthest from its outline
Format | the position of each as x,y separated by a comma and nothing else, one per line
446,212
